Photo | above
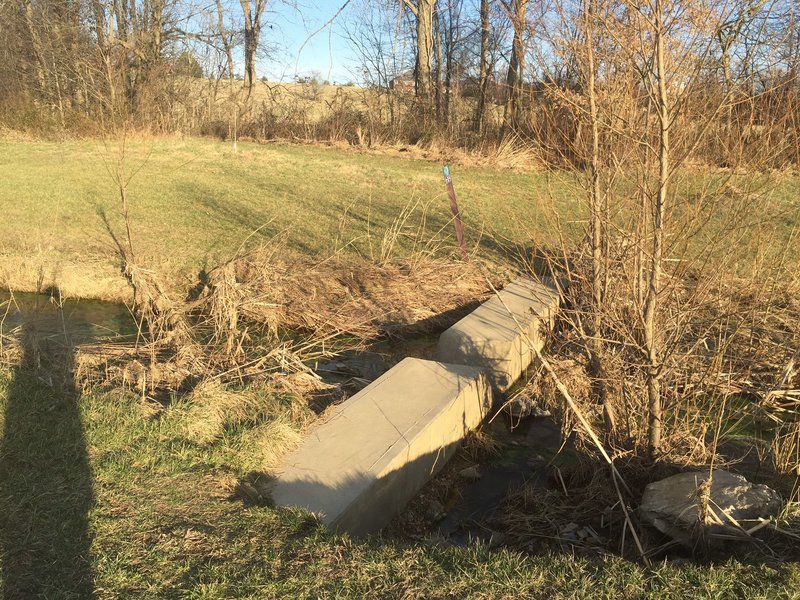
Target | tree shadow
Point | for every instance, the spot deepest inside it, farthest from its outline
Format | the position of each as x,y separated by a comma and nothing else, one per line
45,478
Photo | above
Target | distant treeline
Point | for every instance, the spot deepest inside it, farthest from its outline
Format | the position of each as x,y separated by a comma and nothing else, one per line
464,73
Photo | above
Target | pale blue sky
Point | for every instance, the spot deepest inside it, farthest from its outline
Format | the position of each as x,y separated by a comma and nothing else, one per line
326,53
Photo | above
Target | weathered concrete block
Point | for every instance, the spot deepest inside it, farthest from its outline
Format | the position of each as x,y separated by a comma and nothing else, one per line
490,339
370,457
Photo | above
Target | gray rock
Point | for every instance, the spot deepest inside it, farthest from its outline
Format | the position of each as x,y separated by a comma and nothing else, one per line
587,534
568,533
435,511
569,528
687,509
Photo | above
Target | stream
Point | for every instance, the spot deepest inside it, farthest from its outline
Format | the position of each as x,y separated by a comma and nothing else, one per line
524,454
67,322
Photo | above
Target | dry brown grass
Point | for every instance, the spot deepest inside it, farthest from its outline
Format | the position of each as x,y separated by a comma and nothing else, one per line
339,295
269,312
727,337
786,448
276,408
213,409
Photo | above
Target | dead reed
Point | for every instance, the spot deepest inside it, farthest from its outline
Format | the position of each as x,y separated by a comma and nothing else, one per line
270,312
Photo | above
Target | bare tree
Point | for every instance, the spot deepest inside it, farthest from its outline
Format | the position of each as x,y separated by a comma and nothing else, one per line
253,12
451,28
483,78
517,11
227,44
376,32
423,71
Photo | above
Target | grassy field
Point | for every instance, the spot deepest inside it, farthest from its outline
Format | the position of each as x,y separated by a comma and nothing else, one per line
194,202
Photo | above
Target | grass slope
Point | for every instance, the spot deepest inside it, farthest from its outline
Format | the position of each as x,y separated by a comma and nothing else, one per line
194,202
99,497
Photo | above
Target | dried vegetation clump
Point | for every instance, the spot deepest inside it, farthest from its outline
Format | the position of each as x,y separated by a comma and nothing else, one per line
340,295
268,313
213,409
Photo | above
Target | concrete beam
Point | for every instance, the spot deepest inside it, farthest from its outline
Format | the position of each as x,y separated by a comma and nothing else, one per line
489,337
372,455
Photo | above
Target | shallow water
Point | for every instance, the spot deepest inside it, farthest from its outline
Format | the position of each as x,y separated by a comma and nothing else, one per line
360,368
525,452
63,321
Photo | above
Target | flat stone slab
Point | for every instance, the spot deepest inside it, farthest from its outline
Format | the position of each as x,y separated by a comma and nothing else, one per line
376,450
489,337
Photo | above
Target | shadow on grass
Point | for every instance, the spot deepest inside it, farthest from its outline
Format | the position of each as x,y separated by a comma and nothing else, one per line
45,481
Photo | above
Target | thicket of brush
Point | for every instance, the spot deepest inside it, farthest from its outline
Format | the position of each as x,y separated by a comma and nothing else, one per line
731,398
681,330
552,130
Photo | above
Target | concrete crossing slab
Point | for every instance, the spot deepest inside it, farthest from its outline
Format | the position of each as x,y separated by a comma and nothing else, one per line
375,451
490,337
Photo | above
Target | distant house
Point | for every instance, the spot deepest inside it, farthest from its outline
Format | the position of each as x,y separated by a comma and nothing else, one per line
403,84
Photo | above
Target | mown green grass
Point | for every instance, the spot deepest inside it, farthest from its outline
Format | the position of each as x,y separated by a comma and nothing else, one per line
100,497
194,202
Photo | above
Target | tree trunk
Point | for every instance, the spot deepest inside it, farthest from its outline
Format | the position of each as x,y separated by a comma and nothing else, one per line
652,334
133,20
121,17
226,43
439,61
37,49
99,14
598,226
594,169
483,82
156,29
450,66
252,36
424,74
516,65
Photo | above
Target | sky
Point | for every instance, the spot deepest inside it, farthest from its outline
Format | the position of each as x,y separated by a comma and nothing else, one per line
326,54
